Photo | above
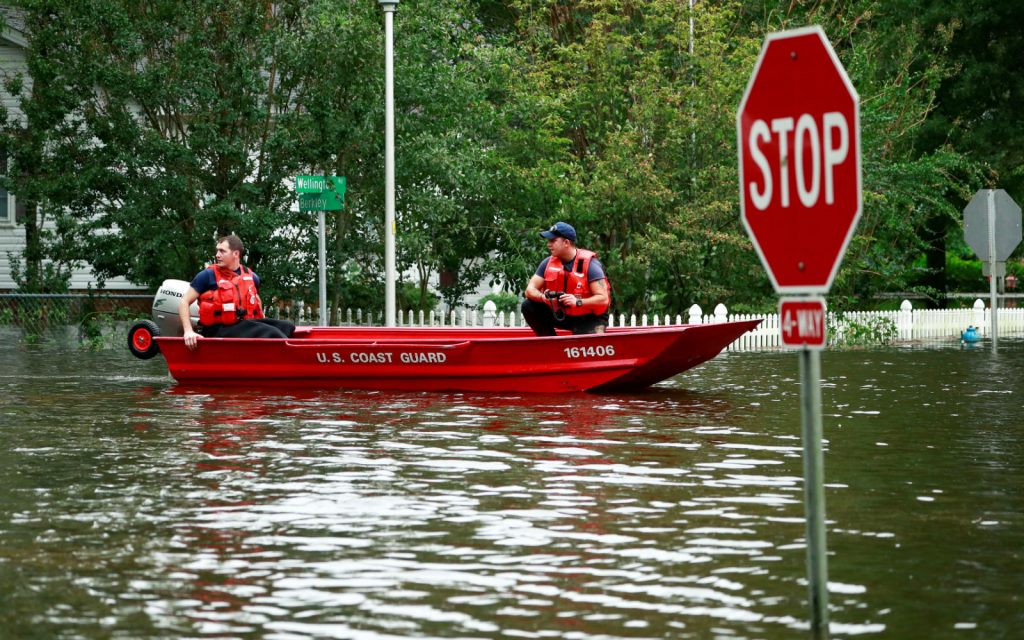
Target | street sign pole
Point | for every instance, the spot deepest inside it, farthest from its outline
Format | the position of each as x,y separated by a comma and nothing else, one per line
992,227
322,229
814,491
321,194
993,299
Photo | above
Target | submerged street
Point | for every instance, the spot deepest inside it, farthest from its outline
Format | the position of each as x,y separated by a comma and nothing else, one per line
134,507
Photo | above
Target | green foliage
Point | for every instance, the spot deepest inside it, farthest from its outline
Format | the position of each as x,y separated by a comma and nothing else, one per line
847,332
104,330
48,277
504,301
158,128
154,128
409,297
628,135
36,315
964,275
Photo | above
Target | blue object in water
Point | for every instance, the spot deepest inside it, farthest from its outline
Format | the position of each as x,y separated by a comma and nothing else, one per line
970,336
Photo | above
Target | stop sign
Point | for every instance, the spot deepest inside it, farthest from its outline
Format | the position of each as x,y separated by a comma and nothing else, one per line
798,134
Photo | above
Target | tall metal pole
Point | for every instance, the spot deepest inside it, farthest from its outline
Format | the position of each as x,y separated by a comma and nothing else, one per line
322,254
691,28
993,299
389,7
814,490
693,83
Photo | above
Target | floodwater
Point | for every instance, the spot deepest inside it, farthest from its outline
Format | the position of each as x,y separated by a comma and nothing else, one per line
133,508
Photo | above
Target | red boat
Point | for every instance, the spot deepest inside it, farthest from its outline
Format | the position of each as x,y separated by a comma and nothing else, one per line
448,359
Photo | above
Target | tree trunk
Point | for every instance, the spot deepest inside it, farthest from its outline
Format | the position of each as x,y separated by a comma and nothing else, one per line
935,232
33,277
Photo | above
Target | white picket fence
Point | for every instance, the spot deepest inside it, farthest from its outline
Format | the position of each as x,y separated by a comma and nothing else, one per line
910,324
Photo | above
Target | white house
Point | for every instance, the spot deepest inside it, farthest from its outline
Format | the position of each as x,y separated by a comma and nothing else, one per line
12,231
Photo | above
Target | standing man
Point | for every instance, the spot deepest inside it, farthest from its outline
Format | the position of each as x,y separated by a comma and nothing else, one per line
569,289
229,300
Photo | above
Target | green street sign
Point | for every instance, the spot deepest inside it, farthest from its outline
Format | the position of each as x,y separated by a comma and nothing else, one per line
320,184
328,201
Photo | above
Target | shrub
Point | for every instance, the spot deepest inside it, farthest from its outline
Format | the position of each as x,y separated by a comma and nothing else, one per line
871,332
504,300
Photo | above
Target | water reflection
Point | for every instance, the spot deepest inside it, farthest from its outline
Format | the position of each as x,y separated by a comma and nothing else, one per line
137,507
462,513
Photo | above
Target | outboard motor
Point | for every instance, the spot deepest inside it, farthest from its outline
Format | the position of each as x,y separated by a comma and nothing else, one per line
165,308
165,322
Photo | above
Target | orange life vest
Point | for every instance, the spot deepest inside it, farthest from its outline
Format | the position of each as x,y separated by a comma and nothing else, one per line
233,299
556,278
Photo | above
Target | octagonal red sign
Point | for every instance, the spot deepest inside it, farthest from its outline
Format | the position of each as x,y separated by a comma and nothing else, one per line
798,134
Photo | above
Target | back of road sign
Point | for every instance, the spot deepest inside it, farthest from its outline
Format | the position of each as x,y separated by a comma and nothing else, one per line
1007,224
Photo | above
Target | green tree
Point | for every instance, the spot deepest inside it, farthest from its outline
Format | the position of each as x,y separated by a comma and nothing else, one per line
165,125
154,127
909,188
622,124
976,109
25,137
159,127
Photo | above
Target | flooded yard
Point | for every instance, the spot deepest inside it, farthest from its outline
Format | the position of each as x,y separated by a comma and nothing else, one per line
132,507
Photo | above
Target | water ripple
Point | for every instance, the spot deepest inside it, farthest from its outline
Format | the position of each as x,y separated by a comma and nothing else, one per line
134,508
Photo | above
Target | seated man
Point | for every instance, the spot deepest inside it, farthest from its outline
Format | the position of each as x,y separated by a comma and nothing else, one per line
229,301
569,290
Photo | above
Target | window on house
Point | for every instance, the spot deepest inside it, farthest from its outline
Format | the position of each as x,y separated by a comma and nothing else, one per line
8,208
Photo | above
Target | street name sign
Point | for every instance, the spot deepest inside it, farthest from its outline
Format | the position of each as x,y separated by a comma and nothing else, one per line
319,184
802,322
320,194
326,201
798,135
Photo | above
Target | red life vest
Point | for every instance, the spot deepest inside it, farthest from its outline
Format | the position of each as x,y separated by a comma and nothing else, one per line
556,278
233,299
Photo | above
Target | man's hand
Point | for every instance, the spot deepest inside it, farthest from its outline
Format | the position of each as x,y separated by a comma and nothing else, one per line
567,300
533,289
191,338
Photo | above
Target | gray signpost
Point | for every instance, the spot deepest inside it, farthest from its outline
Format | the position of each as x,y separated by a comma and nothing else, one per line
992,228
320,194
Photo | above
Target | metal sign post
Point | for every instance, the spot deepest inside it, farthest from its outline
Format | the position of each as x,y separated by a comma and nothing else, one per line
814,488
321,194
322,258
798,136
992,227
390,307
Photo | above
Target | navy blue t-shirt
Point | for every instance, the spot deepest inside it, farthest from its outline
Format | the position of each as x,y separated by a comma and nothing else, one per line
205,280
595,271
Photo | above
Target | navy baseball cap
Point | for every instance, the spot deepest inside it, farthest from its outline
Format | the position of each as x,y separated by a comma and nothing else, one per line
560,230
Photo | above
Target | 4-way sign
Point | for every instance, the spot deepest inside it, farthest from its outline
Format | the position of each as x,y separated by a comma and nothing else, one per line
798,134
802,322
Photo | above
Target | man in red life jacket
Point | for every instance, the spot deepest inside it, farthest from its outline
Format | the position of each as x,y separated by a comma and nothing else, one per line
569,290
229,301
